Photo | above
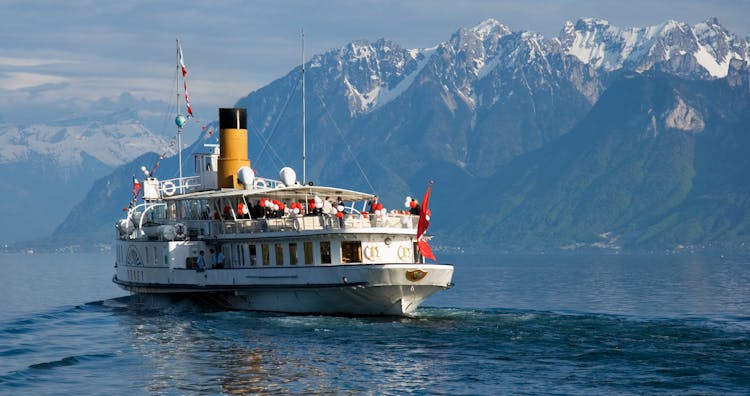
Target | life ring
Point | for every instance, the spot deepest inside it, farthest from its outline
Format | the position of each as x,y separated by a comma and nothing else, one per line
259,183
169,188
372,252
404,252
180,229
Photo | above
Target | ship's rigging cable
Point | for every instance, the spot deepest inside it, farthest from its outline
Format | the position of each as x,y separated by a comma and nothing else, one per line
266,141
348,147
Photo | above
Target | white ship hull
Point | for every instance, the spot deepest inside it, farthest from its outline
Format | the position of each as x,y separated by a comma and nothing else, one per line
384,289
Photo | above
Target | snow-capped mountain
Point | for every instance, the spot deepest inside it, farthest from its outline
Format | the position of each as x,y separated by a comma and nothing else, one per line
373,74
387,65
66,145
47,168
703,50
484,100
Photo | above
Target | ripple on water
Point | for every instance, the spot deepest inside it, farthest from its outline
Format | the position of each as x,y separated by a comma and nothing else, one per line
163,346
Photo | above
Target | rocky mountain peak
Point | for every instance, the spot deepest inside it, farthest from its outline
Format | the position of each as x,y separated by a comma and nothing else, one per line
375,73
490,27
481,39
700,51
591,24
369,71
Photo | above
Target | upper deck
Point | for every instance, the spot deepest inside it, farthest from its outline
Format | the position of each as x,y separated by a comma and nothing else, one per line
268,209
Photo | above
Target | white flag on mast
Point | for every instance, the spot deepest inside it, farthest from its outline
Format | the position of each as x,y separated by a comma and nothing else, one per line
182,61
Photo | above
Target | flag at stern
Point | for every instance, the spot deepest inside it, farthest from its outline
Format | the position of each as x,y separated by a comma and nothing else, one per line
424,222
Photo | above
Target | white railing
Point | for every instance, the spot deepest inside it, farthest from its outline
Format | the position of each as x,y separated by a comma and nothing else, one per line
309,223
178,185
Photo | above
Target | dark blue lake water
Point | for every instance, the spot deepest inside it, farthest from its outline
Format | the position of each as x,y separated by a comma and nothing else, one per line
511,325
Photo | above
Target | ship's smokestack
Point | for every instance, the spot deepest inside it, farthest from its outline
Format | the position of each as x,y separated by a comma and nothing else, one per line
232,146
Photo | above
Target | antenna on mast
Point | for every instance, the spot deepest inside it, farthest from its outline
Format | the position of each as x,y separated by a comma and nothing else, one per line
304,158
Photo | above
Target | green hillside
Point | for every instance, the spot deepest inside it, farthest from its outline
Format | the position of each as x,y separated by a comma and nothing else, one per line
658,164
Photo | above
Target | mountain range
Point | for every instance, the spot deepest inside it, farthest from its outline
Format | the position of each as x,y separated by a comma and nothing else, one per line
49,167
603,137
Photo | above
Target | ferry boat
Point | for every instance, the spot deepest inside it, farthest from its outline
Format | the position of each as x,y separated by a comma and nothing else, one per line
244,242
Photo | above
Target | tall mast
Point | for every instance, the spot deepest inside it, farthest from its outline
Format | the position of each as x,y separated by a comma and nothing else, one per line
304,158
179,127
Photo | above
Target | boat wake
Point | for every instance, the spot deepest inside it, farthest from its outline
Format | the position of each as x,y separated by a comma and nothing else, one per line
73,349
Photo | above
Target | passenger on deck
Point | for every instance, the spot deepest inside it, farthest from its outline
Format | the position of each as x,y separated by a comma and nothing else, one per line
258,211
242,212
250,211
340,211
327,212
340,217
415,209
372,204
299,206
327,206
217,258
278,209
311,207
201,262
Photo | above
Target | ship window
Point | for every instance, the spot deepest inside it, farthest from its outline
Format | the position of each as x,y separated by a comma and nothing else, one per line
240,255
325,252
293,253
265,253
253,255
351,251
279,254
308,252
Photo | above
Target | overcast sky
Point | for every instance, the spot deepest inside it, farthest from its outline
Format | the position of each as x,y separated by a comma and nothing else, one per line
59,57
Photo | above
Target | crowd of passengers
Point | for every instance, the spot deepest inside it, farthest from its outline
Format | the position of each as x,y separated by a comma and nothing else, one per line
270,209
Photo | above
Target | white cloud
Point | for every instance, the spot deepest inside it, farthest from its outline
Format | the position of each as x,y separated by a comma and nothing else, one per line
28,62
20,80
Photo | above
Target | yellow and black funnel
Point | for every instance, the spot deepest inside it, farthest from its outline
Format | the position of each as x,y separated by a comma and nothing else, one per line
232,146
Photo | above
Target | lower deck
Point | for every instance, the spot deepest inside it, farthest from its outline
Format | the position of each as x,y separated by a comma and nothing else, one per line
310,250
